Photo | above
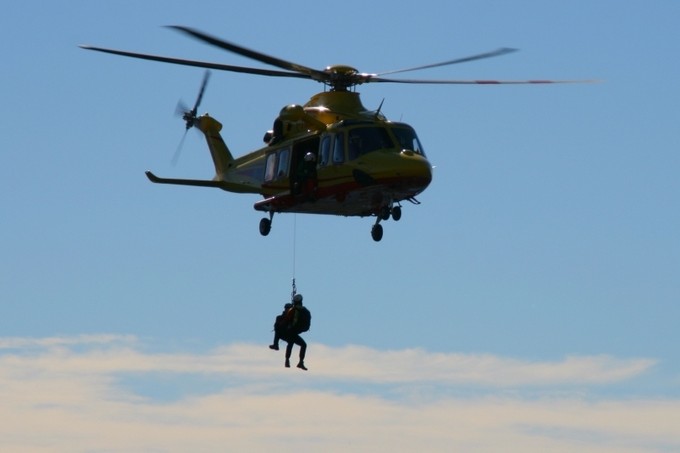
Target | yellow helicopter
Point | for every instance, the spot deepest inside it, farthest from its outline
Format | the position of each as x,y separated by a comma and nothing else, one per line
328,156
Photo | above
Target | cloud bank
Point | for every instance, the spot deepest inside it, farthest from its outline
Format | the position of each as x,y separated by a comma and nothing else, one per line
106,393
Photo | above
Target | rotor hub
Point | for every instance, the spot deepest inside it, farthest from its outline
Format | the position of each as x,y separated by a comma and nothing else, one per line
339,70
342,77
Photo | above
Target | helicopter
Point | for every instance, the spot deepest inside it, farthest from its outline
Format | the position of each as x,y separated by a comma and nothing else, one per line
329,156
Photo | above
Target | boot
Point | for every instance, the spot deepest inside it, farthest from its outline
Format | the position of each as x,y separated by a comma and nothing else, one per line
275,347
302,366
287,363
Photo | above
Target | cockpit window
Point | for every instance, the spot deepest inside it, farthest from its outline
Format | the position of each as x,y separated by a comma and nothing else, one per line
325,151
339,148
408,139
282,170
270,168
363,140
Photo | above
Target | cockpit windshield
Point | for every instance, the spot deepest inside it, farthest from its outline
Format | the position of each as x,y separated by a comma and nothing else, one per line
408,139
363,140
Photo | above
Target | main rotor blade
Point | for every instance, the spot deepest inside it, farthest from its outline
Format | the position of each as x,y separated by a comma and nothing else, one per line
253,54
493,53
471,82
200,64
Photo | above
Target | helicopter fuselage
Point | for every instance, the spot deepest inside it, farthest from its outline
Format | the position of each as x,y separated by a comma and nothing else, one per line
331,156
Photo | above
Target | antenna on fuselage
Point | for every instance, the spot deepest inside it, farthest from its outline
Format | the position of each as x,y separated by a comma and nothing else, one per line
377,112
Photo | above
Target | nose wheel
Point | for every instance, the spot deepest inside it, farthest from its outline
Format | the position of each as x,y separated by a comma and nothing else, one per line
384,214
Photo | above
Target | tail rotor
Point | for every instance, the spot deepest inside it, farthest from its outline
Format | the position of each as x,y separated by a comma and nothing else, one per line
189,116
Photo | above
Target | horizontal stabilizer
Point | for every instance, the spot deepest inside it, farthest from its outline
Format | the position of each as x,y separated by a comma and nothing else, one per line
228,186
184,182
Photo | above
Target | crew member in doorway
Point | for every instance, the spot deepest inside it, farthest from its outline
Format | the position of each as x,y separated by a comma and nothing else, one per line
306,176
310,173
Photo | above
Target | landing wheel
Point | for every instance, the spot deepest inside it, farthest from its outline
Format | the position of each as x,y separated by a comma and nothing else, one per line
265,226
396,213
384,213
377,232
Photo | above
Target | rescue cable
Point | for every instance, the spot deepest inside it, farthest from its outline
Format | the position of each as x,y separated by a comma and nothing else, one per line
294,291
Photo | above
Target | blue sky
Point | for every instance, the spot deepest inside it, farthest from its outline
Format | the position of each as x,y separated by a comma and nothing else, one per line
533,294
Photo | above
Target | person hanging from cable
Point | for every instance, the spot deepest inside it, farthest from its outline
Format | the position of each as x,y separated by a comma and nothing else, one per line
294,320
285,319
301,320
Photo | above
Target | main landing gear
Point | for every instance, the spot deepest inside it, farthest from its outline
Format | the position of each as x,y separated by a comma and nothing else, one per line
266,224
384,214
376,231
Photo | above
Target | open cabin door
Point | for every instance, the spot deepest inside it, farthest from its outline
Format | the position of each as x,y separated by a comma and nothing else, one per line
303,171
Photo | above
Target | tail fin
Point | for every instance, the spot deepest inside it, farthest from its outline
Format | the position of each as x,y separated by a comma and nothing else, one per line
221,156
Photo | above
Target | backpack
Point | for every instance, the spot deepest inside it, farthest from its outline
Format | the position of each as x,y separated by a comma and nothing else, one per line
304,320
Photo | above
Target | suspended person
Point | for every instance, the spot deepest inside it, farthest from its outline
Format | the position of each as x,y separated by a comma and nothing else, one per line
301,320
281,325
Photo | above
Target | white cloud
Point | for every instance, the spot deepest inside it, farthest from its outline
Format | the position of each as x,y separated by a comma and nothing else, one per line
415,365
70,394
102,339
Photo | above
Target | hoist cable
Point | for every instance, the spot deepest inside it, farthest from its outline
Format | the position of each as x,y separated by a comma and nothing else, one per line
294,291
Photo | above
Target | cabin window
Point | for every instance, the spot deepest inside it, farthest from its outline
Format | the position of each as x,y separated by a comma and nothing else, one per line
270,168
408,139
366,139
339,148
282,167
325,151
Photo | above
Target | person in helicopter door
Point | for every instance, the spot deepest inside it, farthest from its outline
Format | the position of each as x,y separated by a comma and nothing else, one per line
309,172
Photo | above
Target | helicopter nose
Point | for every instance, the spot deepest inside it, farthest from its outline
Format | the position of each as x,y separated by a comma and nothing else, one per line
414,171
